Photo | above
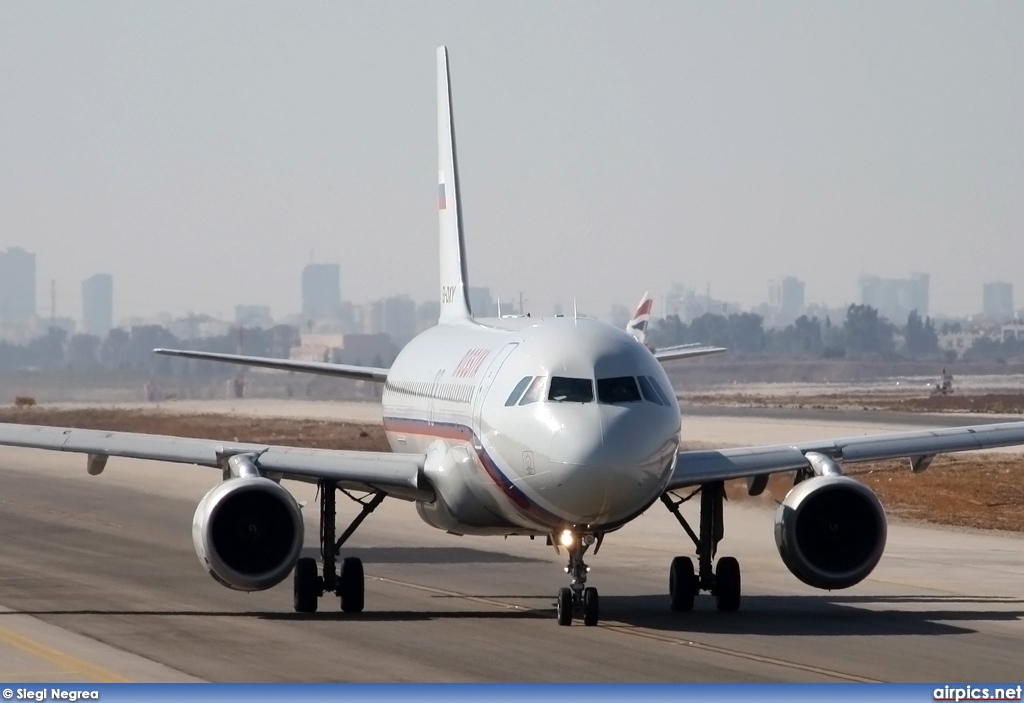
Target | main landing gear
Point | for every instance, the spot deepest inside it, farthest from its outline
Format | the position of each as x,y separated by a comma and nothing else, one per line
724,581
348,585
577,597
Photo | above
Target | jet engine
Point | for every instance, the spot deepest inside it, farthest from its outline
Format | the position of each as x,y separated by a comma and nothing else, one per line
830,531
248,533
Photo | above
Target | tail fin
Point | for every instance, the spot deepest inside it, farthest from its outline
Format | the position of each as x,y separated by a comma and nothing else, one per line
454,291
638,325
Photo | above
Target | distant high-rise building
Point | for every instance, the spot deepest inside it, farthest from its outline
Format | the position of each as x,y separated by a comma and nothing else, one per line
427,314
321,290
98,304
253,316
785,300
17,286
792,298
396,317
896,298
619,315
481,302
997,301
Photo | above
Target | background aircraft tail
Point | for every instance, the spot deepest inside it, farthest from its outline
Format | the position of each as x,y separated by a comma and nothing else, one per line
454,281
638,325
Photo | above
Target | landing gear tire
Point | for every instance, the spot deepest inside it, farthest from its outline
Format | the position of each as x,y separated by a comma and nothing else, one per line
727,585
682,584
351,585
564,609
307,586
591,606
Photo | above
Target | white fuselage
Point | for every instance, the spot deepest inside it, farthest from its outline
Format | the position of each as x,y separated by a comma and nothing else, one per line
512,456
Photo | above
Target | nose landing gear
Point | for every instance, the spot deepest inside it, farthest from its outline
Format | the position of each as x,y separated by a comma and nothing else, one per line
577,597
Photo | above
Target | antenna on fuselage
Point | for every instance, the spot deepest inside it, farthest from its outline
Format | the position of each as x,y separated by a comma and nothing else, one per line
575,314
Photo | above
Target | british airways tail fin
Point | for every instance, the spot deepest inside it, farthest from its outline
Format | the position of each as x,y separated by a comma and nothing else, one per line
454,291
638,325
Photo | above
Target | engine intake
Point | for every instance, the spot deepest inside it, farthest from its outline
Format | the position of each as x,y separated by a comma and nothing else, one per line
248,533
830,531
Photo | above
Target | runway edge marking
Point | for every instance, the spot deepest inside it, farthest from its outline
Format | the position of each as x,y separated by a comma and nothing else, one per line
69,663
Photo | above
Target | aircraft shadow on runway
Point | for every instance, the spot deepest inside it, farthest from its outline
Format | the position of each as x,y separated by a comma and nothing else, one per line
426,555
813,616
793,616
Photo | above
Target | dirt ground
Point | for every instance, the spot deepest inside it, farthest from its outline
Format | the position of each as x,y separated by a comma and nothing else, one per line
1002,403
983,491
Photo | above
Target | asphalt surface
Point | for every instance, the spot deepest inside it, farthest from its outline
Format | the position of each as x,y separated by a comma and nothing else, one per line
100,582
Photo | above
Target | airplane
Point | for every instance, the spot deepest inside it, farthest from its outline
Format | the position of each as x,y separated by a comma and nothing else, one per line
637,328
558,427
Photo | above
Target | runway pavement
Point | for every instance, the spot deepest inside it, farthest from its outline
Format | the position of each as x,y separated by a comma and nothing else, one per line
101,571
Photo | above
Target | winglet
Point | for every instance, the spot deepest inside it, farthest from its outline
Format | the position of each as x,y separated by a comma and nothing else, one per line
454,286
638,325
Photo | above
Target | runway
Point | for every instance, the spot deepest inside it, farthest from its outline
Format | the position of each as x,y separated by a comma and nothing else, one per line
109,559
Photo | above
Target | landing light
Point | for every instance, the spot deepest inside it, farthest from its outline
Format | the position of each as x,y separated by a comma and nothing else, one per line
566,538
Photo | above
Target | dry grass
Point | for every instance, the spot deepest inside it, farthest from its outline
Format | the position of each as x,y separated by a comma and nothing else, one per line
977,490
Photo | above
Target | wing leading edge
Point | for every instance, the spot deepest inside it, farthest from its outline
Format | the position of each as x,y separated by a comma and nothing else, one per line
707,465
398,475
686,351
324,368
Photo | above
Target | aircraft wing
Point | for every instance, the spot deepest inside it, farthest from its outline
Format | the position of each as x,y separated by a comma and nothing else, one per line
359,373
706,465
398,475
685,351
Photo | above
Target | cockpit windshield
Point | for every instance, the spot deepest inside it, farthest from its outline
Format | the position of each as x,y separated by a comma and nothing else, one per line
621,389
571,390
563,389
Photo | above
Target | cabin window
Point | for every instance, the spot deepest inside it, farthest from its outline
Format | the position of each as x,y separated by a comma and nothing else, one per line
517,392
621,389
571,390
648,391
534,393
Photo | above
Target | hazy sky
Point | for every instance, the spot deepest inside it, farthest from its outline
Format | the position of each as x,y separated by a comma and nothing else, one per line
204,152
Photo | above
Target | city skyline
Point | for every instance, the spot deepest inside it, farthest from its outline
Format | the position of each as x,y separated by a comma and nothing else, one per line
203,164
322,299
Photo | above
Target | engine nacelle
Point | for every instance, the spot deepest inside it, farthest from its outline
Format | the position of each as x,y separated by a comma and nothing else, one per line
248,533
830,531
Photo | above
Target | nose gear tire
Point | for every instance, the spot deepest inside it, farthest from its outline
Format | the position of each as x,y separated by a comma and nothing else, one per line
591,607
564,609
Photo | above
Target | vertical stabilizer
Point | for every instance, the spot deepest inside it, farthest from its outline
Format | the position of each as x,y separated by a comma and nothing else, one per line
454,291
638,325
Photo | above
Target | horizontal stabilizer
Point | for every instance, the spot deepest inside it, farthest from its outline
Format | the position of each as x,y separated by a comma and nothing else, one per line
359,373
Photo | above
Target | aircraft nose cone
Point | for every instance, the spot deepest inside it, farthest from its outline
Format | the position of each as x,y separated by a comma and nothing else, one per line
607,467
577,442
